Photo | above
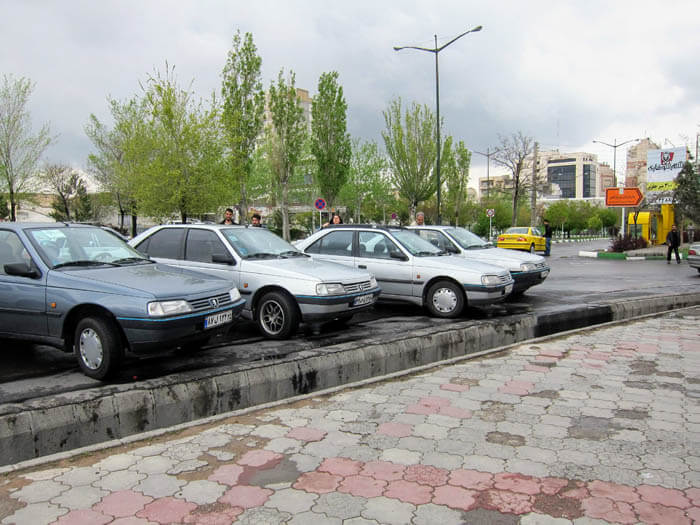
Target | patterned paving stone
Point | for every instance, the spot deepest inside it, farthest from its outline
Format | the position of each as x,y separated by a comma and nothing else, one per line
79,497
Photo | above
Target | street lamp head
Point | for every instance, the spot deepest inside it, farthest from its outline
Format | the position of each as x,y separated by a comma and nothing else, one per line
477,28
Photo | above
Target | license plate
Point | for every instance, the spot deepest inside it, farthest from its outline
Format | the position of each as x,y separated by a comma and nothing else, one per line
544,274
218,319
509,288
362,299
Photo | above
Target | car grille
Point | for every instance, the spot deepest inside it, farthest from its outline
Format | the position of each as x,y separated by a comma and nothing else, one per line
357,287
540,266
505,278
208,302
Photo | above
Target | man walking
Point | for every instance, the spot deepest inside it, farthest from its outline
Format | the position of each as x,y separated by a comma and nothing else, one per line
547,238
673,240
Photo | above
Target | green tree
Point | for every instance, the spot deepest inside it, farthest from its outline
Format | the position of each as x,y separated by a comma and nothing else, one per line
330,141
285,140
410,145
512,153
64,183
365,182
121,154
456,166
686,196
20,149
183,173
243,110
608,218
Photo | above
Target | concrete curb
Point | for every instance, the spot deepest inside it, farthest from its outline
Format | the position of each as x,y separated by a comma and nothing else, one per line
57,424
623,256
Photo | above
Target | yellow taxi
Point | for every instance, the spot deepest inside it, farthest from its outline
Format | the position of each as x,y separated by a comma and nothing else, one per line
526,238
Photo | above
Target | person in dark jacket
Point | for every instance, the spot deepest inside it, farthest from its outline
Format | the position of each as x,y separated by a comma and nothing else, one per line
547,238
673,240
228,217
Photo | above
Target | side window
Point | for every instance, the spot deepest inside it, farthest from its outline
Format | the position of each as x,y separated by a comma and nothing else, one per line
166,243
335,243
11,250
201,245
376,245
437,239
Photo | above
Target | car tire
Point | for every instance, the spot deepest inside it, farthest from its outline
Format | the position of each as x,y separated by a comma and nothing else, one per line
445,299
98,347
277,315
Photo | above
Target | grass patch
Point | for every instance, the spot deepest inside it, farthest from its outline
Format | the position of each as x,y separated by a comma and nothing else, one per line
611,255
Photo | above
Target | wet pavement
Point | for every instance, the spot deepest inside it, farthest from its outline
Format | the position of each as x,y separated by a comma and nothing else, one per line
597,426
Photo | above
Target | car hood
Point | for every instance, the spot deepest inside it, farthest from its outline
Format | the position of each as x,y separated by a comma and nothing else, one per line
456,263
144,280
305,268
507,258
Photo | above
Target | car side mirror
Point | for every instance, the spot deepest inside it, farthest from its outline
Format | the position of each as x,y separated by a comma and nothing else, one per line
22,269
223,258
450,248
398,255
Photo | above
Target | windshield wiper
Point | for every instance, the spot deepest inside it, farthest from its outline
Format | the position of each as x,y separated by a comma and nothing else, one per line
292,253
83,263
129,260
260,255
427,253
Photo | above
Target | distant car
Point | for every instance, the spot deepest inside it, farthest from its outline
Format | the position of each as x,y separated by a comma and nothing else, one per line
694,256
282,286
526,269
410,269
525,238
84,290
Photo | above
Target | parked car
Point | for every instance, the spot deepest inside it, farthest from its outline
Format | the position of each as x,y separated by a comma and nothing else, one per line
281,285
526,238
526,269
84,290
694,256
410,269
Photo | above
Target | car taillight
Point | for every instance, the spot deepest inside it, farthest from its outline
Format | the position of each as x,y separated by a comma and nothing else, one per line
521,239
692,252
500,239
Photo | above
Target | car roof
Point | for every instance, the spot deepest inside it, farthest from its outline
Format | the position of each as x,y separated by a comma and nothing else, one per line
27,225
384,227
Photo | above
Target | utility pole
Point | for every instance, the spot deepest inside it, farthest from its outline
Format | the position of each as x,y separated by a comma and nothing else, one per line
488,156
533,193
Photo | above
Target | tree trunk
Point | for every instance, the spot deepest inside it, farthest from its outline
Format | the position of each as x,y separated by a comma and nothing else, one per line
244,204
13,206
285,212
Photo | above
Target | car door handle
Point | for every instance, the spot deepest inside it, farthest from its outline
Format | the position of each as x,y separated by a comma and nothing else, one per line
362,266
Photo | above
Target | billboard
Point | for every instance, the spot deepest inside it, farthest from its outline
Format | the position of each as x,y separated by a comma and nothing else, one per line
663,166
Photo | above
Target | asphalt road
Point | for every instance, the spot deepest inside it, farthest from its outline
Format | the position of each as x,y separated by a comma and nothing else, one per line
28,371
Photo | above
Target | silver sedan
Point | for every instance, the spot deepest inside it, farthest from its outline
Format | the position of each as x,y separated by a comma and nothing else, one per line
281,285
410,269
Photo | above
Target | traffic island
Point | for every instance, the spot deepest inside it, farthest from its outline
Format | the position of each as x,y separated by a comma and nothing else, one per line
122,413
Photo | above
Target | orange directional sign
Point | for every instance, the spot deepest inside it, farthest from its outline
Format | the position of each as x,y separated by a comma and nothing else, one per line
623,197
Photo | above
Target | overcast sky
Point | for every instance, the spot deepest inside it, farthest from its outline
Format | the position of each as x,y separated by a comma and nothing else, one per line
564,72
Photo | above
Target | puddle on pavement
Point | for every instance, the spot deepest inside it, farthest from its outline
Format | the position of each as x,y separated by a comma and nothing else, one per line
547,394
489,517
593,428
632,414
283,472
494,411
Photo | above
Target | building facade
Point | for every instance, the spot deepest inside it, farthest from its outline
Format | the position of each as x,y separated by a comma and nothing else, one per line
636,173
570,175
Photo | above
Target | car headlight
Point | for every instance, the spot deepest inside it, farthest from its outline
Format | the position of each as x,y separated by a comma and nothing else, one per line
490,280
527,267
163,308
235,294
329,289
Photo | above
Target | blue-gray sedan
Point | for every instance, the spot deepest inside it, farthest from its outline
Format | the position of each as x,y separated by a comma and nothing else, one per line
83,290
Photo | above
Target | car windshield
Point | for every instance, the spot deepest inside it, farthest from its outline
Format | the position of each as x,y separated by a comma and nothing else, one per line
517,229
61,246
467,239
259,243
414,244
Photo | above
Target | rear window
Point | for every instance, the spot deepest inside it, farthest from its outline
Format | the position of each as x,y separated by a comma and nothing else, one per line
165,243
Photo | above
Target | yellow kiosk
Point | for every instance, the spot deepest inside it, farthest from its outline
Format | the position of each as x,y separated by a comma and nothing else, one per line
652,225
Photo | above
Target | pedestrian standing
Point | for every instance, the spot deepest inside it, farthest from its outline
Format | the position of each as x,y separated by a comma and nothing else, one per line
255,220
336,219
547,238
420,219
673,240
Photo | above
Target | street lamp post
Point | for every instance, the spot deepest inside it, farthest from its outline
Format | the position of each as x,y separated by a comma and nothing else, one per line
488,162
614,146
436,50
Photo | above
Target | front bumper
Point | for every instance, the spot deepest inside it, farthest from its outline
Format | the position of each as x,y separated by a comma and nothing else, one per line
484,295
319,308
524,280
147,335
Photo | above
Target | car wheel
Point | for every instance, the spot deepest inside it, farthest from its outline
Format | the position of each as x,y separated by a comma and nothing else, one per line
277,315
445,299
97,347
532,248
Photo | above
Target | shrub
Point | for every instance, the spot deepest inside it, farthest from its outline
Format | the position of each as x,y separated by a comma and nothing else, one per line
626,243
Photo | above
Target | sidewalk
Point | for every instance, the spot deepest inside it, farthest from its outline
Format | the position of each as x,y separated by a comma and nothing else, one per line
599,426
